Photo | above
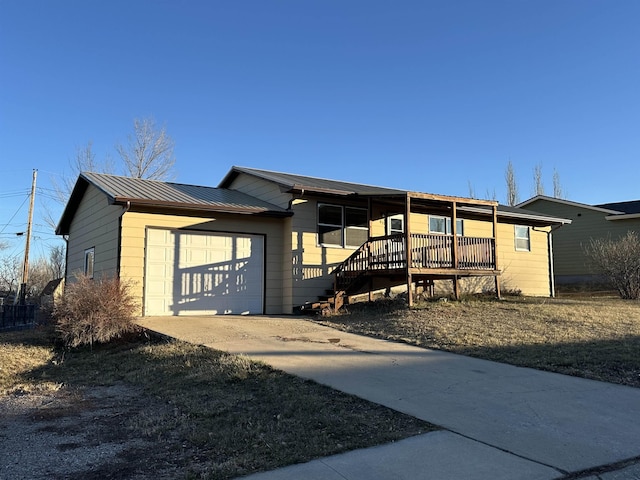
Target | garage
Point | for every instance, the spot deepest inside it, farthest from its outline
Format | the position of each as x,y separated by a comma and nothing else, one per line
203,273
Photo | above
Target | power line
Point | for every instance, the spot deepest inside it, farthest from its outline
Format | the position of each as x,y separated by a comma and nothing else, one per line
14,215
13,194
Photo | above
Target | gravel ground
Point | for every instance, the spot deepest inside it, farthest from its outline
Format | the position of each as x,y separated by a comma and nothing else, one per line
81,435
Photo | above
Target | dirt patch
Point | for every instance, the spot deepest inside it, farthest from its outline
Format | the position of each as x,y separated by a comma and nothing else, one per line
82,434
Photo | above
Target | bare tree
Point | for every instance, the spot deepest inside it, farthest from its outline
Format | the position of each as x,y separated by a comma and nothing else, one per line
39,275
10,273
537,180
619,261
149,152
84,161
557,187
491,195
513,198
57,261
472,191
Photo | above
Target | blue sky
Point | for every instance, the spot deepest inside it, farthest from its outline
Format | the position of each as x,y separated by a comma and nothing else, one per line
432,96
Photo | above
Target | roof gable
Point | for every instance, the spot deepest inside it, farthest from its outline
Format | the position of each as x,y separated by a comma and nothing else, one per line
142,192
298,183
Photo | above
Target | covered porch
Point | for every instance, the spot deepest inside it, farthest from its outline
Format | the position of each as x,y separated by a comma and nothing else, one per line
413,257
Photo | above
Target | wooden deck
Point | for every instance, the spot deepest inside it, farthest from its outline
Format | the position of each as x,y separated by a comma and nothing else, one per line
431,256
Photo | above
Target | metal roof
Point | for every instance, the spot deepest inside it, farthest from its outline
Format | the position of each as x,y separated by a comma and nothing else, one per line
301,183
630,207
142,192
293,182
124,189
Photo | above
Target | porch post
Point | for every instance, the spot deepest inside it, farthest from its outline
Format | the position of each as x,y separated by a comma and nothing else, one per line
454,250
454,233
495,247
407,241
370,214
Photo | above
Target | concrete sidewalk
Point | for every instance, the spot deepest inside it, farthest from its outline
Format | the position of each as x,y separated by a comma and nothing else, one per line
502,421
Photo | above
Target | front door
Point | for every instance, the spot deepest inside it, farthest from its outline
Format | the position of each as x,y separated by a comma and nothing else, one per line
395,246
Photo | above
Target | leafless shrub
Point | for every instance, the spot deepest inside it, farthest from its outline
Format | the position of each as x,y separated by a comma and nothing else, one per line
619,261
94,310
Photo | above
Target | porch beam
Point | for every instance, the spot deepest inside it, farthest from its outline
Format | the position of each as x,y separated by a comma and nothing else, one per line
448,199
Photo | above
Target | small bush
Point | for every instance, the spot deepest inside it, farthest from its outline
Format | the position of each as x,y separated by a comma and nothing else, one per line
94,310
619,261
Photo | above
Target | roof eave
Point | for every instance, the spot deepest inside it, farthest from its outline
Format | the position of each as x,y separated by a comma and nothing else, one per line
198,207
626,216
525,216
77,193
566,202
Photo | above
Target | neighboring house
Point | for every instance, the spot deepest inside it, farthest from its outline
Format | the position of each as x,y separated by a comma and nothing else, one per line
51,293
610,220
268,242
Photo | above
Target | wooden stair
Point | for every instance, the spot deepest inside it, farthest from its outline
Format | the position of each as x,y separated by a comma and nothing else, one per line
324,303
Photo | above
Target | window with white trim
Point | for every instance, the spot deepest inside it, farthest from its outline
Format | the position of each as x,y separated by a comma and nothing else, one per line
395,224
442,225
342,226
89,259
523,239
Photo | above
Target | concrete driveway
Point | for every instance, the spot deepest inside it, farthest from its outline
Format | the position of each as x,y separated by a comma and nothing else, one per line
538,424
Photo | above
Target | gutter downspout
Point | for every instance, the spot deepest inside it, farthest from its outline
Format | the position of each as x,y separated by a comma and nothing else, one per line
552,282
288,257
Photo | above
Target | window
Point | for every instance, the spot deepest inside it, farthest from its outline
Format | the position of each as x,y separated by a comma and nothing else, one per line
356,226
443,225
89,256
395,224
342,226
523,242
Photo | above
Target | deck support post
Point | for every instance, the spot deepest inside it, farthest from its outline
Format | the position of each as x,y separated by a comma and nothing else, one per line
407,241
456,287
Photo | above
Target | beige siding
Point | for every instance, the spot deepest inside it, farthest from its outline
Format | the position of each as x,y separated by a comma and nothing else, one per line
312,263
527,272
95,224
262,189
569,240
134,227
521,271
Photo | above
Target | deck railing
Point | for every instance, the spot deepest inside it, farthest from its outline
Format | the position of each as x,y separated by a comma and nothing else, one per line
436,251
428,251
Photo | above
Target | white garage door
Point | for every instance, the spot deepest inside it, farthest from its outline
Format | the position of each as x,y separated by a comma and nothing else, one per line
191,273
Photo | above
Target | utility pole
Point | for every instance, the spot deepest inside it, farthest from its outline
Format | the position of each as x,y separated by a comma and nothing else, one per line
25,265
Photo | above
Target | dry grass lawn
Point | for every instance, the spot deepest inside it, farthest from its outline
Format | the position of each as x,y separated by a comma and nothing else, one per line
597,338
206,414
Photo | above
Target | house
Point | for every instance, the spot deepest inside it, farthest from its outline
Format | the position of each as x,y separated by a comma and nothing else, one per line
273,243
609,220
51,293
